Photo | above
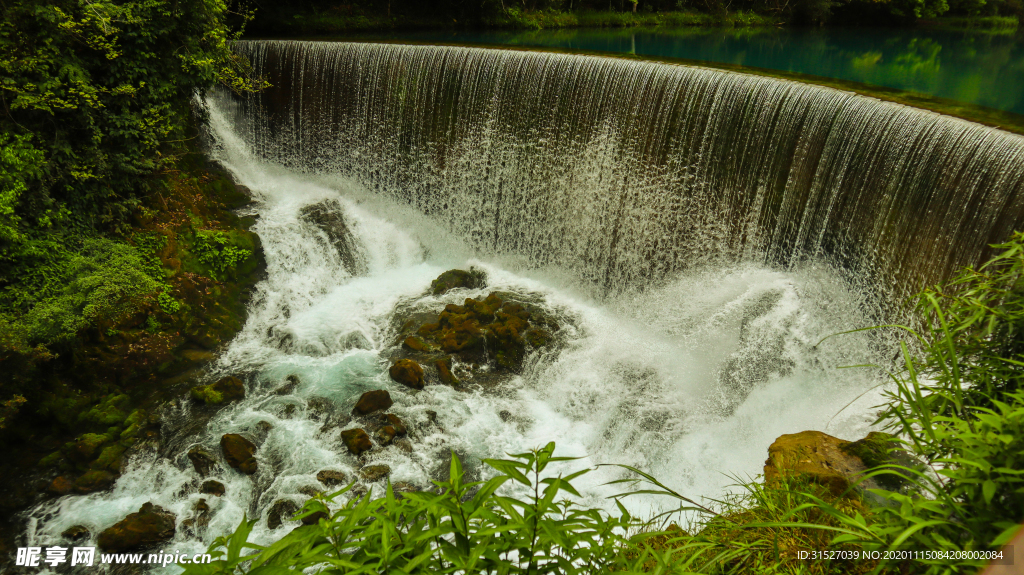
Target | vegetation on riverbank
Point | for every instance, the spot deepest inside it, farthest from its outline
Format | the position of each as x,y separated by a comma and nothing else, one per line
329,17
122,265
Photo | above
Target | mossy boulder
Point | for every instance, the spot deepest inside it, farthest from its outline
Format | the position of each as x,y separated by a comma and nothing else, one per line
224,390
85,448
149,526
451,279
332,478
408,373
376,400
110,458
374,472
94,480
822,459
397,423
356,440
444,371
239,452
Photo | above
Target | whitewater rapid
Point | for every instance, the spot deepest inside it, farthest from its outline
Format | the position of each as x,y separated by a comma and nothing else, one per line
647,377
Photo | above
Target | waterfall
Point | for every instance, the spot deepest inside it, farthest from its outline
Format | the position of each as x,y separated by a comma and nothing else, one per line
625,171
696,233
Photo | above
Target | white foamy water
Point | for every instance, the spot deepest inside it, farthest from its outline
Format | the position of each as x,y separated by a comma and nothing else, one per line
690,379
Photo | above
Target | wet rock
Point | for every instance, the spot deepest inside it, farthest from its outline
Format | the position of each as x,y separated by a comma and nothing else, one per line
95,480
444,371
239,452
314,518
451,279
289,387
211,487
376,400
310,491
195,526
356,440
408,373
373,473
262,431
282,510
818,458
331,478
397,423
202,460
76,533
110,458
385,435
403,444
61,485
416,343
225,390
85,448
505,415
320,408
150,526
330,218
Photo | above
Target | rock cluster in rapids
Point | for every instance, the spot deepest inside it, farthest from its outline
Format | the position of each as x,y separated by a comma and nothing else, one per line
491,335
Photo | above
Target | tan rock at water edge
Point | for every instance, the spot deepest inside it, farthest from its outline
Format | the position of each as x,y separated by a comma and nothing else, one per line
149,526
408,373
356,440
444,371
396,422
817,457
376,400
239,452
202,460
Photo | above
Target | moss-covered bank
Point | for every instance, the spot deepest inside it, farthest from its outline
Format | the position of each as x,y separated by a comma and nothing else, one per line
79,404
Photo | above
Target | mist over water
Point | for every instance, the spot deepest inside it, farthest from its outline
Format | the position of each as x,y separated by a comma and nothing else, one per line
686,348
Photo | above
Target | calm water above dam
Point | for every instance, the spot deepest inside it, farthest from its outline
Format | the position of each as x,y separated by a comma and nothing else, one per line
985,69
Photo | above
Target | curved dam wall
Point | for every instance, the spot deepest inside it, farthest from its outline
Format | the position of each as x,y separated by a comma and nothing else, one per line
623,171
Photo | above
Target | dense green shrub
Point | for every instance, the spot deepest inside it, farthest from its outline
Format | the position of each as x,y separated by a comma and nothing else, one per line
460,528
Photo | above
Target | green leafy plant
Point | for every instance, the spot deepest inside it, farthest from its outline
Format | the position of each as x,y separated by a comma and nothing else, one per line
215,250
459,528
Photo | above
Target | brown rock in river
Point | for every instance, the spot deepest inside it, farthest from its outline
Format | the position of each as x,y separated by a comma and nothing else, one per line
202,460
239,452
408,373
356,440
330,478
375,472
211,487
396,422
371,401
444,371
149,526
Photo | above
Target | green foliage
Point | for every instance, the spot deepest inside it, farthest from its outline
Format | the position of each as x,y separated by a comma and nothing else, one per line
20,165
103,283
217,251
104,89
461,528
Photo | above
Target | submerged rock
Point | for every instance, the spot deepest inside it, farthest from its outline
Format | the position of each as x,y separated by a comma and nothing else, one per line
330,218
356,440
149,526
282,510
225,390
76,532
239,452
397,423
376,400
408,373
202,460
